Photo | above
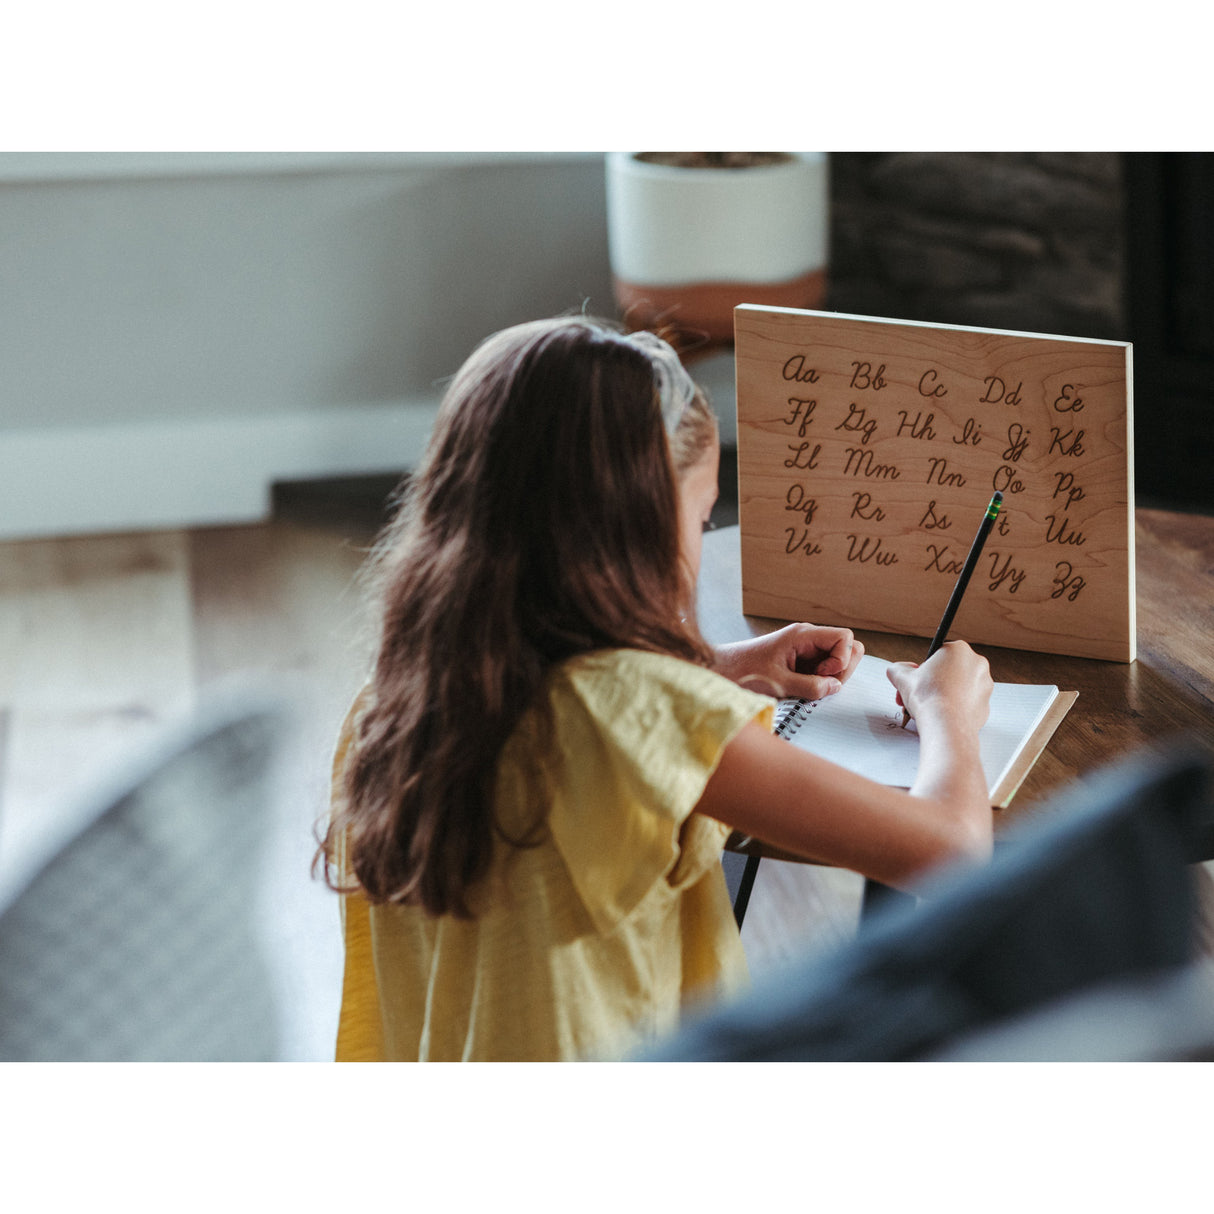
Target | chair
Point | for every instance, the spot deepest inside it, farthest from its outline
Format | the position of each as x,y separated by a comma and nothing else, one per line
1093,897
135,940
1161,1018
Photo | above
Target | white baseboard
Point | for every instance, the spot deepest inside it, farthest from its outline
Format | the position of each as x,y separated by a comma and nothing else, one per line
152,475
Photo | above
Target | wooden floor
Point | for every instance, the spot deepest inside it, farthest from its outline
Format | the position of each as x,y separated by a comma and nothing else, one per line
107,638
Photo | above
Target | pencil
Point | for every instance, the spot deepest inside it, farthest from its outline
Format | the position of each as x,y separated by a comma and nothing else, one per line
963,580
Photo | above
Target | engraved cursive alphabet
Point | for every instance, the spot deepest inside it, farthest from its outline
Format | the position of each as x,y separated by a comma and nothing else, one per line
1065,444
920,428
795,368
855,421
931,521
971,434
928,385
1064,482
858,549
863,507
996,391
1066,581
865,377
800,458
796,501
800,543
938,472
1017,442
1006,481
1066,403
1060,532
1009,573
803,409
861,463
938,563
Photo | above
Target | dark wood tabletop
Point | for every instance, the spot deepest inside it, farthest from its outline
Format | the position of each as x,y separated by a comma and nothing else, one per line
1165,694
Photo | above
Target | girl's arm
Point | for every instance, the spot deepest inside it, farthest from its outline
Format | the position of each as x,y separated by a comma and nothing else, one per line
771,790
800,660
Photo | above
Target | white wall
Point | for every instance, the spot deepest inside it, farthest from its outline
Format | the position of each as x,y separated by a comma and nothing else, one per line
179,331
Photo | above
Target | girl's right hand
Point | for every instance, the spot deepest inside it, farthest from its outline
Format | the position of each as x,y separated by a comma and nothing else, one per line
955,681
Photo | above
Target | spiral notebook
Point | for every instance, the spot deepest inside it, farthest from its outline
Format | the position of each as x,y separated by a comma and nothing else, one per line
860,728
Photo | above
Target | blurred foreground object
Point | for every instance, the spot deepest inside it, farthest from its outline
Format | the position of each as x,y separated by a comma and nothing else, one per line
1079,941
135,940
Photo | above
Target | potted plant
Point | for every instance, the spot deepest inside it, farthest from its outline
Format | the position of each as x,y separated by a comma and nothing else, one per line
692,234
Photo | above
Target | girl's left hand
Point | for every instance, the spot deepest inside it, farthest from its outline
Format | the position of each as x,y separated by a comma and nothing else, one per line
799,660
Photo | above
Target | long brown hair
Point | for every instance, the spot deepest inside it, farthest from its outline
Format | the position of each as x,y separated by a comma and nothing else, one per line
541,524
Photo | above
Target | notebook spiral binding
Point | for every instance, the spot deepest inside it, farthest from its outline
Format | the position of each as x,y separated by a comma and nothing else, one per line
791,715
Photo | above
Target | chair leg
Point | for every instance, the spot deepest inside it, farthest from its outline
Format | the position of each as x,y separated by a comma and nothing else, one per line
877,896
742,897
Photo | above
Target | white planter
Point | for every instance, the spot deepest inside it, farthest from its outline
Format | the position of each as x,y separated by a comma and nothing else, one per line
688,244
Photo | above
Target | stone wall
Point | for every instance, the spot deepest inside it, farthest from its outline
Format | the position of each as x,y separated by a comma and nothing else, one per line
1009,240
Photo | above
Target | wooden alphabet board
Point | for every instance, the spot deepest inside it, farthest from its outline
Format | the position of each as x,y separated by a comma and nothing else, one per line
868,451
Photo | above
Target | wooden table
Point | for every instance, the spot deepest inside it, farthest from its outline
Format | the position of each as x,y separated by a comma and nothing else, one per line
1167,692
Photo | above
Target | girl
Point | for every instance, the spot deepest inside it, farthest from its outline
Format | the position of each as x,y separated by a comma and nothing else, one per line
532,792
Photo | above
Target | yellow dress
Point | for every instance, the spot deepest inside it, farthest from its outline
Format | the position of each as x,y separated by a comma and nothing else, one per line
592,942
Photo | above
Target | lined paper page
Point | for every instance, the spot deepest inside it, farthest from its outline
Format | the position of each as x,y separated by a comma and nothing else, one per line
860,727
